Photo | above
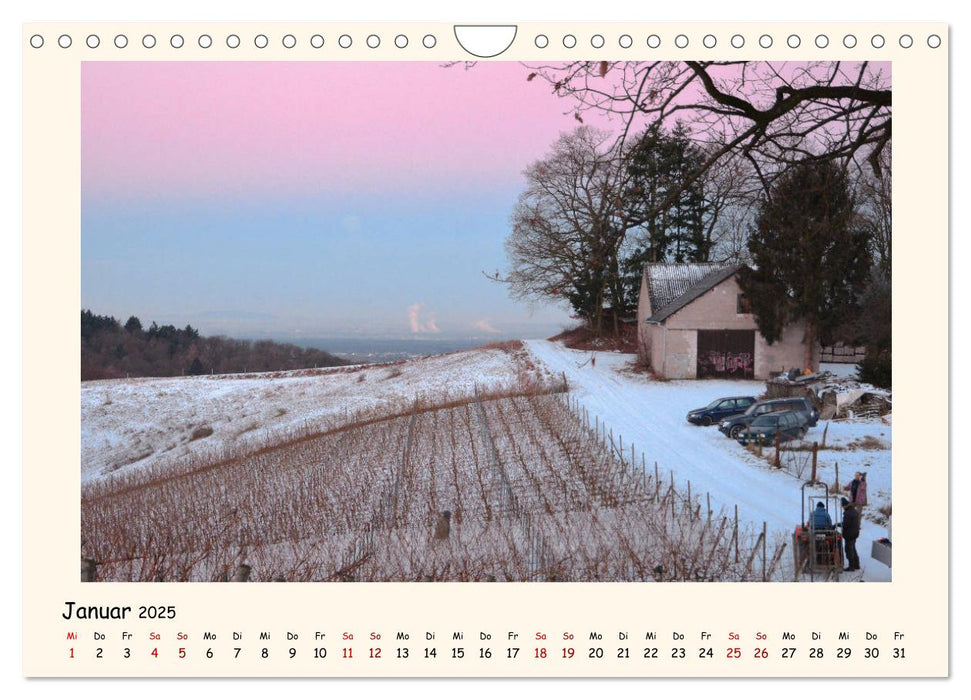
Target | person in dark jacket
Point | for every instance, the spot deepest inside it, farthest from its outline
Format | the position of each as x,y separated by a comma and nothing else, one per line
851,530
820,518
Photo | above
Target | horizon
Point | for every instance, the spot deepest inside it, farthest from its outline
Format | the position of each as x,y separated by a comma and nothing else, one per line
321,340
296,200
530,332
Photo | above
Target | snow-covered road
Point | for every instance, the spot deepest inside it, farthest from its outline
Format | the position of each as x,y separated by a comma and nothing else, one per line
651,414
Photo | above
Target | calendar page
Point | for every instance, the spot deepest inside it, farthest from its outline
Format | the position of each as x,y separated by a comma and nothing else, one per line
513,350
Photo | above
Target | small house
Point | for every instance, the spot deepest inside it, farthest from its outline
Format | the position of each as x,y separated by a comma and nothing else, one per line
695,323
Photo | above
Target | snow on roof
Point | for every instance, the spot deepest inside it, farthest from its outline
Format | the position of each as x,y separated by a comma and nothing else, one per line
671,286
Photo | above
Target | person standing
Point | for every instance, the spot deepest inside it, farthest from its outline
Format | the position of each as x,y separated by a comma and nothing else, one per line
857,489
861,493
851,531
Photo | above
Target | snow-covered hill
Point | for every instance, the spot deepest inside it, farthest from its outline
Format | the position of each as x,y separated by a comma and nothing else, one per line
128,423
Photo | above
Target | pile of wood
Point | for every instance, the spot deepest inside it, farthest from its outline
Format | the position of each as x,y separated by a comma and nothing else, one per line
833,398
863,404
781,387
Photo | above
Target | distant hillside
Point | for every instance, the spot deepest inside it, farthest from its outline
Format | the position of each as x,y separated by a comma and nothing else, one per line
110,350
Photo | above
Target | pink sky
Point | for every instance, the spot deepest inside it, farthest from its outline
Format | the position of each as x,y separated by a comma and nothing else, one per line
307,192
211,129
230,129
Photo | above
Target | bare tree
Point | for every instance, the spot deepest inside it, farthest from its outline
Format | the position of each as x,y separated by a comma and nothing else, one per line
731,190
873,195
771,114
569,224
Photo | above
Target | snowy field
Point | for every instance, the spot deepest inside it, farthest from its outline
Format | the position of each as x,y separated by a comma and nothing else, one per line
842,370
651,415
128,425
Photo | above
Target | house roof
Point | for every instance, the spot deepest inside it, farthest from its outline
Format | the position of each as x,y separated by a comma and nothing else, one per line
672,286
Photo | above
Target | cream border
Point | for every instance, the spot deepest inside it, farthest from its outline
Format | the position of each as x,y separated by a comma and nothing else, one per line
914,603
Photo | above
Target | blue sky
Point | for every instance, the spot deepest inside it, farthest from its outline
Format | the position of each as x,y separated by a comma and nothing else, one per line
296,200
308,267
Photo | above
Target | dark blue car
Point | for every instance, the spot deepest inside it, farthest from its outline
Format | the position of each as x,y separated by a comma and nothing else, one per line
782,425
733,426
720,408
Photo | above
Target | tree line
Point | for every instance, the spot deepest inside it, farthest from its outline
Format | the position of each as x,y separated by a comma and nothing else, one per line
110,350
783,169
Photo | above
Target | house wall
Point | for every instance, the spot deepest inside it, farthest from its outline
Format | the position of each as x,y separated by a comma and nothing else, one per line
786,353
644,335
849,354
674,344
655,348
675,352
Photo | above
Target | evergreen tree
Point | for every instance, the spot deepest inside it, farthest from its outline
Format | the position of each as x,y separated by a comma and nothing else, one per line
872,327
809,261
632,269
674,218
92,323
110,350
672,213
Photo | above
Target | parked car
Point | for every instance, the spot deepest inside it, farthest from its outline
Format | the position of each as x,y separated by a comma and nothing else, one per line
787,425
720,408
734,425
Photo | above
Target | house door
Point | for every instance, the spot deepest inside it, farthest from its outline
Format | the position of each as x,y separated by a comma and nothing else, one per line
726,354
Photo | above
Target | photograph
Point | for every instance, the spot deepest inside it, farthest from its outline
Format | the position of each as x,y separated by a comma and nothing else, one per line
487,321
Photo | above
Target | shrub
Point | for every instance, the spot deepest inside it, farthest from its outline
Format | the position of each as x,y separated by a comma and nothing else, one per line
876,370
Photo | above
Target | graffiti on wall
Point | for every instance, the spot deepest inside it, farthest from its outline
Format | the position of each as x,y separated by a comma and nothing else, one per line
726,353
721,362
